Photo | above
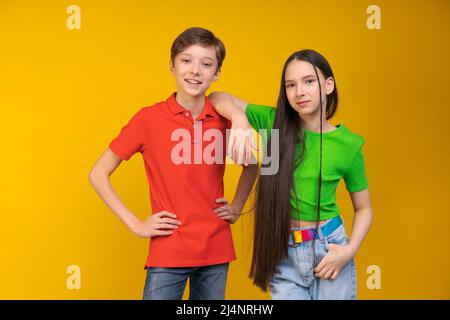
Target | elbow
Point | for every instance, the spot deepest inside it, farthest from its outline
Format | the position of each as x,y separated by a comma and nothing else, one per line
371,215
213,96
368,213
219,97
216,93
216,97
94,175
91,176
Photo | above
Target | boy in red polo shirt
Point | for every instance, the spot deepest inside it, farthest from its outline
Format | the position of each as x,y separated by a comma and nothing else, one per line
182,141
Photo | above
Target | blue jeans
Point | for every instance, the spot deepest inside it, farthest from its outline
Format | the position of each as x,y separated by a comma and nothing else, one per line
206,283
294,277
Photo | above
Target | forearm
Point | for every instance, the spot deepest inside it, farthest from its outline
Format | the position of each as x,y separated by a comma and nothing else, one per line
104,188
245,185
224,105
362,221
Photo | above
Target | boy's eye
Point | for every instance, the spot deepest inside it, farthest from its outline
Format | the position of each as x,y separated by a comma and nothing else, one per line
185,60
207,64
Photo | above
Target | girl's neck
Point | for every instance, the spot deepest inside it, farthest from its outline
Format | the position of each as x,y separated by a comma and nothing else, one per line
312,123
193,104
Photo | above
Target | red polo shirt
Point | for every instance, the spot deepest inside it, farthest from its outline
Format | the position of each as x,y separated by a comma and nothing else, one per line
186,188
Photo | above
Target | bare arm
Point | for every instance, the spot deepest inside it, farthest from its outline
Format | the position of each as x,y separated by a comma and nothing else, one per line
338,256
362,219
241,138
245,185
99,179
227,105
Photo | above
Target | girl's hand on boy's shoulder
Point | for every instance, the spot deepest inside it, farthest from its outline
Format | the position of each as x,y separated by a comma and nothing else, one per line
241,141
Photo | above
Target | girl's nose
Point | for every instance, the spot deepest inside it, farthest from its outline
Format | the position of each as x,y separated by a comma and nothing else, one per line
300,92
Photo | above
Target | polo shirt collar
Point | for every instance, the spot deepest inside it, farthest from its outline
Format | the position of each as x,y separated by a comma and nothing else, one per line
176,108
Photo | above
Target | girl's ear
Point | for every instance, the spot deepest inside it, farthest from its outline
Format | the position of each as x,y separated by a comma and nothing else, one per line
329,85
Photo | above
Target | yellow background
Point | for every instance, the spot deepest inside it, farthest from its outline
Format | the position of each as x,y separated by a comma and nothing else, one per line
64,94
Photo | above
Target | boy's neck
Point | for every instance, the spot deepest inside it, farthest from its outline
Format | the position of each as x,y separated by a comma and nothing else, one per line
193,104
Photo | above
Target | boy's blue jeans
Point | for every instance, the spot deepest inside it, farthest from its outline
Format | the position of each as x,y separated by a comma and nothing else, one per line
205,283
294,277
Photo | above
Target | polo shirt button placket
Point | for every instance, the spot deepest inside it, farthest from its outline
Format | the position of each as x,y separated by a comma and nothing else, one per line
196,123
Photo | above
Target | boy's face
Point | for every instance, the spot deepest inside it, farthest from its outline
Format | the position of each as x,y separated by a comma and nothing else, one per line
194,70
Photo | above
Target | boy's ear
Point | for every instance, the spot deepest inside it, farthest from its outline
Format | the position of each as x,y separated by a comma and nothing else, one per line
217,75
329,85
171,66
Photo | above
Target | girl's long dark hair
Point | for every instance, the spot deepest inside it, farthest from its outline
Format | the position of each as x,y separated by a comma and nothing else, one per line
273,192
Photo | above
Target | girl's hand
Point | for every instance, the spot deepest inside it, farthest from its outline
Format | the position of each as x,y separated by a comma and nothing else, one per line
241,140
336,258
158,224
227,212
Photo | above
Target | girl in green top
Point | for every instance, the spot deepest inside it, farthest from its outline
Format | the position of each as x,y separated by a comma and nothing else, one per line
301,249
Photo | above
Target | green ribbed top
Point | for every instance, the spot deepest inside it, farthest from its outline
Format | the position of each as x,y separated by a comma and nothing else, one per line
342,158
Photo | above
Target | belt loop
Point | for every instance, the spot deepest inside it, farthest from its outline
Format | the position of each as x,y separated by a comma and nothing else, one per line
326,244
321,237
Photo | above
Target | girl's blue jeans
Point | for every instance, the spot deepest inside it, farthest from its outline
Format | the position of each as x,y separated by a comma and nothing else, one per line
294,277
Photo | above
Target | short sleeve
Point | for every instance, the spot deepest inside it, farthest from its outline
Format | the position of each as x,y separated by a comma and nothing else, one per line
260,117
132,137
356,179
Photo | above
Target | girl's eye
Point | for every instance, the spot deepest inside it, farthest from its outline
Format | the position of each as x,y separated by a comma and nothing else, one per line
310,81
290,85
207,65
185,60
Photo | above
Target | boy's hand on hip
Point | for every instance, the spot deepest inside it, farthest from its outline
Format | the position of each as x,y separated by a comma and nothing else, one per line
158,224
226,211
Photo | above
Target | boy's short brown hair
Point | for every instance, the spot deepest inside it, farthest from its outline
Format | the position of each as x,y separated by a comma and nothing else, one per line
199,36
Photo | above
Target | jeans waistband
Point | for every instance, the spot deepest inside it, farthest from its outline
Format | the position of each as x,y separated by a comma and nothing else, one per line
301,235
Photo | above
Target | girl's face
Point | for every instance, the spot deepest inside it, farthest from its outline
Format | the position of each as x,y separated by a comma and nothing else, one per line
302,88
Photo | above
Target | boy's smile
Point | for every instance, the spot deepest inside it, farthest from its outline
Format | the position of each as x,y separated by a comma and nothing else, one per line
195,69
193,81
